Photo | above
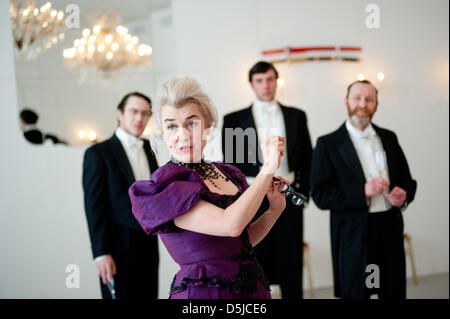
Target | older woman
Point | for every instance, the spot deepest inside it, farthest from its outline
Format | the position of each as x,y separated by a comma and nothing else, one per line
203,210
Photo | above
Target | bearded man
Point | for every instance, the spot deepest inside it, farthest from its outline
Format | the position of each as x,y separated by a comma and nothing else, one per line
361,175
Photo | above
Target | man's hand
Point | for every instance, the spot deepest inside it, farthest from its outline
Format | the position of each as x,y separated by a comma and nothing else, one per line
106,268
396,197
376,186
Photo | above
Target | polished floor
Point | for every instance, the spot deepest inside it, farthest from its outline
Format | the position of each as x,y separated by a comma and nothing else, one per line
434,286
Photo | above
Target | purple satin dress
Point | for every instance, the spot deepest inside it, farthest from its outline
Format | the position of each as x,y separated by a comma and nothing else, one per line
211,267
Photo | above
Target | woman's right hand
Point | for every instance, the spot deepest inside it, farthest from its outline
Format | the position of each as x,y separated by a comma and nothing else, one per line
272,150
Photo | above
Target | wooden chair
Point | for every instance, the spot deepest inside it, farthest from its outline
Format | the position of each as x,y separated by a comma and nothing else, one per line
307,265
409,252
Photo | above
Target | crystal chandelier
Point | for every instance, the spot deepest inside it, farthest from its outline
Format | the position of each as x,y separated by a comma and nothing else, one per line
107,47
35,29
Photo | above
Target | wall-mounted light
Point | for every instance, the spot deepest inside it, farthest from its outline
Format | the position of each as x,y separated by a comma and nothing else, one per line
85,136
362,77
147,131
280,82
92,136
82,134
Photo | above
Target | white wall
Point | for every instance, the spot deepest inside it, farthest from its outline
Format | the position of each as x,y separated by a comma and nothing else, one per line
42,227
42,223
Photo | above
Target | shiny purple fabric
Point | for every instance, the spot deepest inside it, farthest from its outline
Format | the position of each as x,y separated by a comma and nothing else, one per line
210,266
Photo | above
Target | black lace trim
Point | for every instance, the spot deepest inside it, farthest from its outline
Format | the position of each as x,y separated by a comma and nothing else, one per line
244,282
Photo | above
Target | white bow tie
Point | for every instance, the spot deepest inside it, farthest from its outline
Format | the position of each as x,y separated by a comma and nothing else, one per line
271,108
367,134
135,143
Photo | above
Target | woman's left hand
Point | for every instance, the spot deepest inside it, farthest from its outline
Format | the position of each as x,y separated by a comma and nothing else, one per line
276,199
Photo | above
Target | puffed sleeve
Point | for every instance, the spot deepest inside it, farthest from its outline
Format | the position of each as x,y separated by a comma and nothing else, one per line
171,192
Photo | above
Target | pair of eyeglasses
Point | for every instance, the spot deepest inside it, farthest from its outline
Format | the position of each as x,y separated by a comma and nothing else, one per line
287,190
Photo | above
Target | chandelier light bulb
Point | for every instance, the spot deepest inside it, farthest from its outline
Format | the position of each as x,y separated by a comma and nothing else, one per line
121,30
86,33
115,46
53,13
60,15
144,50
380,76
101,47
46,6
69,53
141,50
361,77
97,29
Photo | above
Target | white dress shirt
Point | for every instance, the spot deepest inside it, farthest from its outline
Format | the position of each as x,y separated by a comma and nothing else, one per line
367,143
269,120
134,149
29,127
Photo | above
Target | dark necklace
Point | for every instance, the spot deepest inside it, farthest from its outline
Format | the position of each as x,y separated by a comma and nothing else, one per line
207,171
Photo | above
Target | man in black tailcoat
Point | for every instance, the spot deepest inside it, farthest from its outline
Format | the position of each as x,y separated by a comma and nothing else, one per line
281,251
359,173
124,254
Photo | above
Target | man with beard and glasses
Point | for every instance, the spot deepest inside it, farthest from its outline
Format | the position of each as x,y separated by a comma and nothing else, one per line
360,174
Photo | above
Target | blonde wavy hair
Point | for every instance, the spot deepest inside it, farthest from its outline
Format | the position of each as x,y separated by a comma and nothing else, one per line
178,92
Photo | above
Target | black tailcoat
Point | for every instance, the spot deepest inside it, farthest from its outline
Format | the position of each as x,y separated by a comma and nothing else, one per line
281,251
113,229
337,184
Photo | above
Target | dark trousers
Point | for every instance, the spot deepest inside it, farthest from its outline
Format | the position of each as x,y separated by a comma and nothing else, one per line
385,249
137,260
280,253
